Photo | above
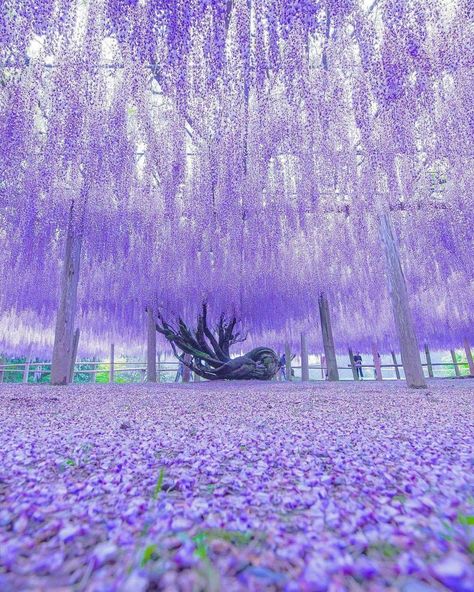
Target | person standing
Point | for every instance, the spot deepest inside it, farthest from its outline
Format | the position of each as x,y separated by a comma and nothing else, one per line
358,365
38,373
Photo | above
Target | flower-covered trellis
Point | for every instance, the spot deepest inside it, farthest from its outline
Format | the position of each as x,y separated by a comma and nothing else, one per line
238,151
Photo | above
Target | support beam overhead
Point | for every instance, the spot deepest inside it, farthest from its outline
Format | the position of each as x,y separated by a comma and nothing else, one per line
151,346
428,361
455,363
470,361
401,306
26,370
75,345
328,340
304,359
395,363
288,361
64,331
112,363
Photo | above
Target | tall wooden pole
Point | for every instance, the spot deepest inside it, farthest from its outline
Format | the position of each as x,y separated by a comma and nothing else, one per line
64,331
377,362
428,361
470,361
151,346
112,363
288,361
395,363
328,340
75,345
186,370
26,369
455,362
355,374
94,374
401,307
304,359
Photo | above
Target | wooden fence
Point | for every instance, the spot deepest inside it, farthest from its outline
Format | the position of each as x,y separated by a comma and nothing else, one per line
167,370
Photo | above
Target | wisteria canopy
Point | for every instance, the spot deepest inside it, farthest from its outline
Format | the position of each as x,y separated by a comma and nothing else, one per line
238,152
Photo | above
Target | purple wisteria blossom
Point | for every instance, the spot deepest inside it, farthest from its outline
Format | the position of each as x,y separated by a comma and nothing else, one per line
209,144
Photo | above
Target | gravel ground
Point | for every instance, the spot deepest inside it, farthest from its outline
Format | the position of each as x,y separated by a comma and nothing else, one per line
230,486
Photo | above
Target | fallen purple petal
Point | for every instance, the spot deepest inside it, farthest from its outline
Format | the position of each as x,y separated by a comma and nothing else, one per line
348,488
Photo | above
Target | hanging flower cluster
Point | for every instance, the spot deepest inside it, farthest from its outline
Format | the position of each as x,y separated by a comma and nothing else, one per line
238,151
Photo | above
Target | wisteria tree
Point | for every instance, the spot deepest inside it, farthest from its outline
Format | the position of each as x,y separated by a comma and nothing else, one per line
209,353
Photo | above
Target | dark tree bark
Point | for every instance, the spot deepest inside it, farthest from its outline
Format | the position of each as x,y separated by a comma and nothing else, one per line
207,353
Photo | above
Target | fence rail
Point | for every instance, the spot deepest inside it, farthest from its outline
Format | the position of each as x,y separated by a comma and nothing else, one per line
42,369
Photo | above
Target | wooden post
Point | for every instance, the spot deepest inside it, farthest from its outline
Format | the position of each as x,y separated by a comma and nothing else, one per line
112,363
158,372
397,369
94,373
75,345
455,362
377,362
64,331
328,340
186,370
151,347
288,361
323,366
197,378
401,307
26,370
2,362
428,361
304,359
355,375
470,361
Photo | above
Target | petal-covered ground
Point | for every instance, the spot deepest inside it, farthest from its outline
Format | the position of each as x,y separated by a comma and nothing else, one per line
231,486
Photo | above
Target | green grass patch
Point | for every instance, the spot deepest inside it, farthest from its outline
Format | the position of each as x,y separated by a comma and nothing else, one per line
387,550
235,537
400,498
466,519
159,484
149,554
200,540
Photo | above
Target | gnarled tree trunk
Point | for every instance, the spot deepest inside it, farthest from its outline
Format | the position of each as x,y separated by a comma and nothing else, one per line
207,354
